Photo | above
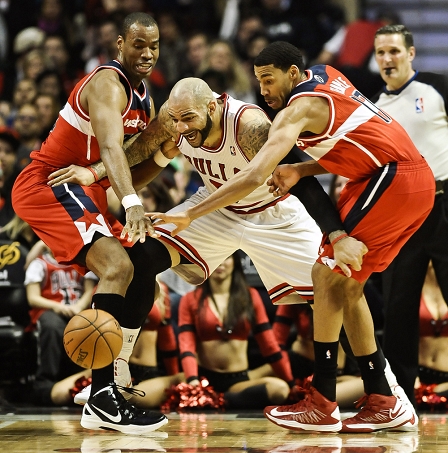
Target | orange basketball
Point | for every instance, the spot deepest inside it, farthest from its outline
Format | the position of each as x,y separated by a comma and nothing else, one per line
93,338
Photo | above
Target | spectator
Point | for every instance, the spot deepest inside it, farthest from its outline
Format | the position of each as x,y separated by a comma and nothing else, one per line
419,101
56,49
55,294
16,239
107,49
172,47
250,25
28,39
24,92
197,47
9,145
214,322
34,62
351,50
53,19
47,109
221,57
50,82
432,382
28,127
299,23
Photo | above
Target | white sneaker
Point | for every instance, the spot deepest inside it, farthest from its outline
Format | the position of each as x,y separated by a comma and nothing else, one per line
399,392
83,396
122,377
411,425
108,410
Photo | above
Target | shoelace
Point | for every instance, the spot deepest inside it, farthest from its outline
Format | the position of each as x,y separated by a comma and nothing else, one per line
124,405
131,390
305,399
362,401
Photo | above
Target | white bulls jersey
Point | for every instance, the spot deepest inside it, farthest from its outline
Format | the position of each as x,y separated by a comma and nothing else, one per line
277,234
217,165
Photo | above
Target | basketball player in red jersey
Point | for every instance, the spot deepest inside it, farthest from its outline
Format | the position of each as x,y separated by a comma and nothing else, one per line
105,108
389,194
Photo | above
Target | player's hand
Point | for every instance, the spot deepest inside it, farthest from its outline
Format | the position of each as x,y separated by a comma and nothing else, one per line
73,174
138,225
283,178
180,219
349,252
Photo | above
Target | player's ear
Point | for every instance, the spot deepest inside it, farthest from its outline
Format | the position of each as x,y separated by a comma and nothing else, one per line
211,107
294,72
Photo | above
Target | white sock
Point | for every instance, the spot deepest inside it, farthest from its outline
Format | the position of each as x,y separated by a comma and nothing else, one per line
121,367
129,339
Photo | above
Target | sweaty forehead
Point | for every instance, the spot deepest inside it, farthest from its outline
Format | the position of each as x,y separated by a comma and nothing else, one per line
182,106
266,71
141,32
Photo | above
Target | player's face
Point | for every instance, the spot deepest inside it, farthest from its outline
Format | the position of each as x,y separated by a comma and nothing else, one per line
191,122
139,52
394,60
275,85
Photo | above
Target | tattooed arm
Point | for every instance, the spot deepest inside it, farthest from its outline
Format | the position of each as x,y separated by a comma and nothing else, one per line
253,130
139,148
144,145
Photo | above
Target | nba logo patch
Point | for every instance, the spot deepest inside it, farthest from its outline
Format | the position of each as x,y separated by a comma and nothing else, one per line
232,151
419,105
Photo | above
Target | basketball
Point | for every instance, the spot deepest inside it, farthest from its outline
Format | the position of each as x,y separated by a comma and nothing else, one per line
93,338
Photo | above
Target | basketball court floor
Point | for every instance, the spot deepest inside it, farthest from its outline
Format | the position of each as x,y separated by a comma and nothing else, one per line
34,430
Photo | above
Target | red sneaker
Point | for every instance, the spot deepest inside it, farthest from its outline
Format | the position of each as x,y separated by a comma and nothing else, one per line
313,413
379,412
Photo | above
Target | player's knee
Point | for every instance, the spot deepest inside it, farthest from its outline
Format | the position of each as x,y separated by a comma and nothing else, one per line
120,273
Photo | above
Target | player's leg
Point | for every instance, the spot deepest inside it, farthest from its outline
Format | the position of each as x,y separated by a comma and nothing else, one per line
318,411
106,407
148,259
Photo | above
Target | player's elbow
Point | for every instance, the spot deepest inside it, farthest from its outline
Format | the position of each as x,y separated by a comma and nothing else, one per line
254,179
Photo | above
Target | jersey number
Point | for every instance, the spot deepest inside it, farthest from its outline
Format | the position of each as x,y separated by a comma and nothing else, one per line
358,97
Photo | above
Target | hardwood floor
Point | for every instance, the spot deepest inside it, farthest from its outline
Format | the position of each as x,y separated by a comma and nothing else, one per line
34,430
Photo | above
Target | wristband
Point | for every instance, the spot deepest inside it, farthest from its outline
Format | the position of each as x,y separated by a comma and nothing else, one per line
160,159
131,200
338,238
94,173
192,378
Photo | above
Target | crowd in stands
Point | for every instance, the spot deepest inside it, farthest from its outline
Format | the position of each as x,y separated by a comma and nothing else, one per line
47,46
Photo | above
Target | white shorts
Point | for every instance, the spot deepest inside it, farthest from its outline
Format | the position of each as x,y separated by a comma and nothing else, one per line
282,241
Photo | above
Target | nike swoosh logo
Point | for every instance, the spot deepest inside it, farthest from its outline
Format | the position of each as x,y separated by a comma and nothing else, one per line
275,412
112,418
396,414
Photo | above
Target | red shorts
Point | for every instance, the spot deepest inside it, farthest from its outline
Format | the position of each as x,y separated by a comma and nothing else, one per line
383,212
64,217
